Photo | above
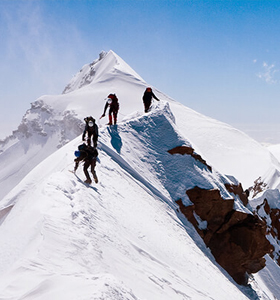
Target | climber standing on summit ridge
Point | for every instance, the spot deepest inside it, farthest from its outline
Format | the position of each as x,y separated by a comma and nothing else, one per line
113,102
147,98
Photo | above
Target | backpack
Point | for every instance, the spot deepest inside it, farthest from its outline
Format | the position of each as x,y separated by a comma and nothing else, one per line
92,152
86,151
82,147
115,102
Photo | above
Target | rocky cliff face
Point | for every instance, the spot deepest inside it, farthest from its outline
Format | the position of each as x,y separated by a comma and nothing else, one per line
237,239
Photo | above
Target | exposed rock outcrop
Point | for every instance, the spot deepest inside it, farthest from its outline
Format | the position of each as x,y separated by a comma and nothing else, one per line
238,190
258,187
189,151
236,239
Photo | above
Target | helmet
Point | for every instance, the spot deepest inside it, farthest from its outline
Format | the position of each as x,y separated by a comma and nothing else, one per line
90,123
148,89
77,153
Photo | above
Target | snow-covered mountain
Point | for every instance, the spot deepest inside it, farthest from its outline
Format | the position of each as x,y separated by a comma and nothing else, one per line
54,120
124,238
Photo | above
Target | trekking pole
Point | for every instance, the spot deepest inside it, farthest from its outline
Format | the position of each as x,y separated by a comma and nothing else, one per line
99,124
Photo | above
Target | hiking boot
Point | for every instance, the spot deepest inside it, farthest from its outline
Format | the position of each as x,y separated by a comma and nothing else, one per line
95,178
88,181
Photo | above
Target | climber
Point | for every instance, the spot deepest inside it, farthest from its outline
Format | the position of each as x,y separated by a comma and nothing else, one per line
91,129
112,101
147,98
88,155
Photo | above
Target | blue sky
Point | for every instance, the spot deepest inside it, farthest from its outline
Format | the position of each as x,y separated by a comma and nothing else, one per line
220,58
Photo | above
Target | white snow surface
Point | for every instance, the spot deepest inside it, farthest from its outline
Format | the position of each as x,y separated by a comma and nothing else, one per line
275,150
272,176
122,238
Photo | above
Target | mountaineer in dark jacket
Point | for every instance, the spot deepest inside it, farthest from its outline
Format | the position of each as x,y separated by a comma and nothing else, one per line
147,98
113,102
88,155
91,129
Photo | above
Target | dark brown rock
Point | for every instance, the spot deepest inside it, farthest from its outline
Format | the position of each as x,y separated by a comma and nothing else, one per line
189,151
275,221
181,150
236,239
238,190
258,187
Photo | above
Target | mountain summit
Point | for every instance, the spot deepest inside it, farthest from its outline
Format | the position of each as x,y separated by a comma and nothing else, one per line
155,225
100,70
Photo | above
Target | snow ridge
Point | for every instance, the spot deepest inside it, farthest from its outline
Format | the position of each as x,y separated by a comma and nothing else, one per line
78,241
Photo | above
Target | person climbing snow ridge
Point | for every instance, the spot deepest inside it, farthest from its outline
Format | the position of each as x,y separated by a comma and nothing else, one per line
113,102
91,129
147,98
88,155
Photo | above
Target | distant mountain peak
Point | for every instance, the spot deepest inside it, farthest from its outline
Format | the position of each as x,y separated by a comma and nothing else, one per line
106,64
84,76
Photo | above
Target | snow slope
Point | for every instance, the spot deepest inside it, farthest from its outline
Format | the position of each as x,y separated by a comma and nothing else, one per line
119,239
231,151
272,176
275,150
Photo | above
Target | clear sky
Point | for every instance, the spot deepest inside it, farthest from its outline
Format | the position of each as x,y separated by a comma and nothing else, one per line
220,58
